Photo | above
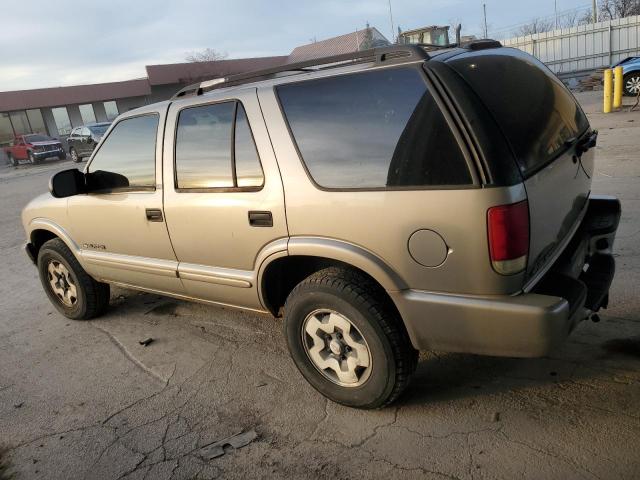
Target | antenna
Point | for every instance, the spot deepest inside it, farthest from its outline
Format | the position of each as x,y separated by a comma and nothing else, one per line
393,29
484,8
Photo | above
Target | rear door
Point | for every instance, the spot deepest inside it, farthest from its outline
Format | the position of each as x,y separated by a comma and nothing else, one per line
224,202
543,123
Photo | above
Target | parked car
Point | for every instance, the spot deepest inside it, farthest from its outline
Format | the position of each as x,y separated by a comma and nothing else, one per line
631,75
34,148
83,140
383,202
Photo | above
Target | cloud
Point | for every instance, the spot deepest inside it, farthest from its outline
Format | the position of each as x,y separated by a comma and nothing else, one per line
61,42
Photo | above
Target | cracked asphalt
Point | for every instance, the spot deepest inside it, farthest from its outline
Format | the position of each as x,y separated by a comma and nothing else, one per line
86,400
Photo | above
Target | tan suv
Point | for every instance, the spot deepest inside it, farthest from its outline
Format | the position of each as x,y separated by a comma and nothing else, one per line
384,202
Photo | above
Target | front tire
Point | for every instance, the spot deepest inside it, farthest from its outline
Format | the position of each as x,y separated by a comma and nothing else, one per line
32,158
74,156
631,84
71,290
347,339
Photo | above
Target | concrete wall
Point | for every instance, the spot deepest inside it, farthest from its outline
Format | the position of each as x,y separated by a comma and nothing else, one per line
74,115
583,48
126,104
98,109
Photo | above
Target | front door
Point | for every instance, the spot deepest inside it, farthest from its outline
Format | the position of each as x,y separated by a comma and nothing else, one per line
120,225
224,206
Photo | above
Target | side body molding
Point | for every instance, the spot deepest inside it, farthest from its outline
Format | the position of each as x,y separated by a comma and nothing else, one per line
350,254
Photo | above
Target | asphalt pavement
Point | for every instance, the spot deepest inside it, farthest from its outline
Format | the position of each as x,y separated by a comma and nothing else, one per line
86,400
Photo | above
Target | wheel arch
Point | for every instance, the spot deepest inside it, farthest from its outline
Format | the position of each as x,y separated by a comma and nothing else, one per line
279,274
42,230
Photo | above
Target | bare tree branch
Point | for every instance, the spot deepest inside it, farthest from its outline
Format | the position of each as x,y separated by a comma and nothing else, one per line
206,55
537,25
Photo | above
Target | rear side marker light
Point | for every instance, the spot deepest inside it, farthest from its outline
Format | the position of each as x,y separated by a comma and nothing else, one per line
508,232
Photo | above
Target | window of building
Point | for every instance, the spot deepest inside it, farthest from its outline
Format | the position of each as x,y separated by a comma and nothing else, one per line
127,158
87,113
6,131
377,129
111,110
204,155
20,122
36,121
61,117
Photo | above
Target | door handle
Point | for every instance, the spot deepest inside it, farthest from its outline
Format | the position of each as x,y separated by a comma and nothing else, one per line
154,214
260,219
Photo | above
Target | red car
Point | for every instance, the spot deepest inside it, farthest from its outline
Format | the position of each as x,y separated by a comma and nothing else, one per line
33,147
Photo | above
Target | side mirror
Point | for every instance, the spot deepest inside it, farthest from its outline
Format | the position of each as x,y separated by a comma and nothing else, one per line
67,183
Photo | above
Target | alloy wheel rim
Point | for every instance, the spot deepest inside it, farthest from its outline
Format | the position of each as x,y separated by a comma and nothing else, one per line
61,283
74,156
633,84
336,348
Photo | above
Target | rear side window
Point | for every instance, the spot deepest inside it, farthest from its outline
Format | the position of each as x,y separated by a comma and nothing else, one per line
127,158
377,129
215,149
536,112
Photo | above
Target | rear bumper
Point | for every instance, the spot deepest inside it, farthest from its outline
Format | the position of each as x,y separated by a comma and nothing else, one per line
528,324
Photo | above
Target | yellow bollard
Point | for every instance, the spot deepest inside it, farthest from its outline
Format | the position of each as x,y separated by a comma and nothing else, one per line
608,77
617,87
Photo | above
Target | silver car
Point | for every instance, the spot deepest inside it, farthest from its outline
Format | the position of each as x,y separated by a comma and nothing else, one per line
382,202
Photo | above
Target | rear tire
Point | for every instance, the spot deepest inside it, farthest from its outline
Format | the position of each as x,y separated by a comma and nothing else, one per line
71,290
12,160
347,339
631,84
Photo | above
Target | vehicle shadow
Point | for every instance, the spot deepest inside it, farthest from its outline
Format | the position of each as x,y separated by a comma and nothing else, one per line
593,354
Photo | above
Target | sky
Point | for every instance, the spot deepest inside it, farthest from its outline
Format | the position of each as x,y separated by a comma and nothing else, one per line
47,43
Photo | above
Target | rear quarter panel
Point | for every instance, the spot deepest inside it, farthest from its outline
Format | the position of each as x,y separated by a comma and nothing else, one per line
383,221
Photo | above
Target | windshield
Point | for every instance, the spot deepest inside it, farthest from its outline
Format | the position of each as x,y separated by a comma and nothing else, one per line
36,138
98,129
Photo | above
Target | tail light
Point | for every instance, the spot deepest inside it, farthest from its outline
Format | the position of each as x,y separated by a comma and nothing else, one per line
508,231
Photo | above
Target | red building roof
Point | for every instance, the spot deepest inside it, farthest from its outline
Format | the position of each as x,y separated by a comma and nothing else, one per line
58,96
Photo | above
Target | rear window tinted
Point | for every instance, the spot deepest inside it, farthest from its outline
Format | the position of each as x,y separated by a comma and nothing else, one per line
534,109
215,149
377,129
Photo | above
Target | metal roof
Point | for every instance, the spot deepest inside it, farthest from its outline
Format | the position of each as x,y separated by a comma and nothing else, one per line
350,42
77,94
197,71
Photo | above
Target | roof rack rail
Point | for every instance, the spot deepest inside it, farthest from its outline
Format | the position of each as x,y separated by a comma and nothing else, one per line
393,53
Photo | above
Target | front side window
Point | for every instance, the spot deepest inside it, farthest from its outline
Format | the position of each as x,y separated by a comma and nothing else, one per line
127,158
371,130
215,149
